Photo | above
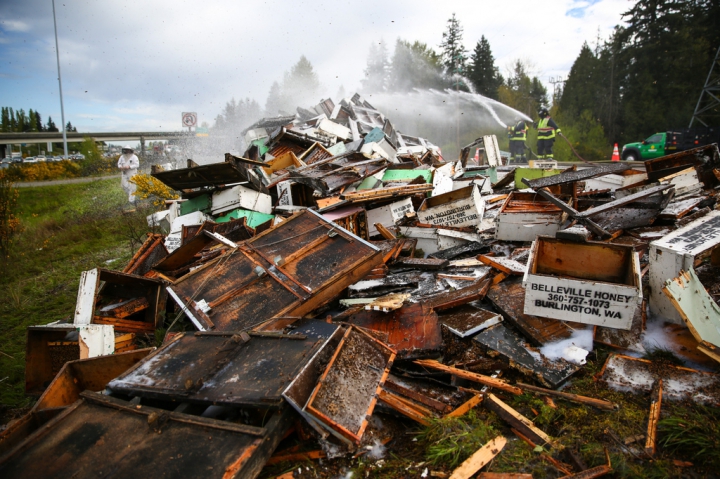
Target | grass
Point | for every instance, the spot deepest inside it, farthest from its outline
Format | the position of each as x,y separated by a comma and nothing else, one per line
67,229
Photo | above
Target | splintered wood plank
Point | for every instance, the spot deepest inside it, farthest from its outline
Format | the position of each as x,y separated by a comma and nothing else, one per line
448,300
384,232
466,406
387,303
389,192
403,407
517,420
471,376
509,298
503,264
125,308
479,459
655,404
598,403
503,475
125,325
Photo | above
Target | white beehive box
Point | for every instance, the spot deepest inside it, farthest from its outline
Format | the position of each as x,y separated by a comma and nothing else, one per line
432,240
240,197
591,283
388,215
524,216
173,240
460,208
677,252
613,182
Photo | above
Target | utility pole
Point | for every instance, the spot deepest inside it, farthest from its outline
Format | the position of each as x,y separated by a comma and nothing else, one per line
555,81
62,108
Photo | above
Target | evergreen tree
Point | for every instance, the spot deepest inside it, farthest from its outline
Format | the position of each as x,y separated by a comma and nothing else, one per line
51,125
377,70
5,120
301,86
521,92
454,54
38,122
70,128
482,72
21,120
275,101
415,66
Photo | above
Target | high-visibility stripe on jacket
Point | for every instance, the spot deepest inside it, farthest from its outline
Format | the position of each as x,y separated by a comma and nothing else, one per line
546,129
519,132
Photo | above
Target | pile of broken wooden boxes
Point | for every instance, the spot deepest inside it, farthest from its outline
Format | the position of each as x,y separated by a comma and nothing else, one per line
378,280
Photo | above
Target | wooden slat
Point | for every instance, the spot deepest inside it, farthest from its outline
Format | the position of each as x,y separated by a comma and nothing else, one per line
479,459
517,420
479,378
598,403
655,404
466,406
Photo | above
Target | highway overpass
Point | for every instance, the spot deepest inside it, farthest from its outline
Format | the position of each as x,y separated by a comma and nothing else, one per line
7,139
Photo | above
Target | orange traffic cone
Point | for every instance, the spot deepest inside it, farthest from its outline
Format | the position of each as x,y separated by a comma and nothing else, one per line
616,154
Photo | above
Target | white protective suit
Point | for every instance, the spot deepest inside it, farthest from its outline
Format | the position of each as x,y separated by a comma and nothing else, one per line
128,164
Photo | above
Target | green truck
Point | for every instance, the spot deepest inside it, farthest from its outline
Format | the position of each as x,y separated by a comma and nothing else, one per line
668,142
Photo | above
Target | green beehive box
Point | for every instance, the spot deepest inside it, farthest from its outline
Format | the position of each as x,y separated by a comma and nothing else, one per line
254,219
199,203
404,175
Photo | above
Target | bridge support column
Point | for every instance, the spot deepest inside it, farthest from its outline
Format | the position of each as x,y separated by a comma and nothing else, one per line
142,146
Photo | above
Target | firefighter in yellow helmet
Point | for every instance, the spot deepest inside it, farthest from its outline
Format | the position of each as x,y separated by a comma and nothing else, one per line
547,129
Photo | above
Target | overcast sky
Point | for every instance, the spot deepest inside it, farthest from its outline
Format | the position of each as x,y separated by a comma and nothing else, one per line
136,65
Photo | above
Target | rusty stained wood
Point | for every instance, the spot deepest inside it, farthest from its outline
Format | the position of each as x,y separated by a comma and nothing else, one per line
346,393
517,420
404,407
219,369
704,159
509,298
479,459
215,174
654,417
468,319
111,435
387,192
465,295
151,252
125,308
503,264
598,403
286,271
413,330
332,174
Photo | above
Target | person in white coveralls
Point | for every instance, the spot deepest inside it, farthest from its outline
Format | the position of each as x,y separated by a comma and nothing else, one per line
128,165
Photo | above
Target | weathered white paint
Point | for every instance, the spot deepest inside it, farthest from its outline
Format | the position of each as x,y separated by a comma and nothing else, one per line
388,215
432,240
443,210
96,340
492,151
696,307
185,309
284,192
590,302
482,181
335,129
442,180
174,239
613,182
85,305
491,321
676,252
240,197
525,226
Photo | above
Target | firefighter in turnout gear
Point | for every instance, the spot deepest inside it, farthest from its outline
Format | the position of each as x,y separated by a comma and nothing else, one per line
547,129
517,135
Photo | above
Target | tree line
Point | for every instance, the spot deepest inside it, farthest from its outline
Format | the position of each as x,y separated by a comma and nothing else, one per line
646,77
18,121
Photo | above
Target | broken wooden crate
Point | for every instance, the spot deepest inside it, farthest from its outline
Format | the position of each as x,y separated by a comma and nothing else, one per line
283,273
132,304
50,346
523,216
100,435
346,393
219,368
460,208
679,251
698,310
591,283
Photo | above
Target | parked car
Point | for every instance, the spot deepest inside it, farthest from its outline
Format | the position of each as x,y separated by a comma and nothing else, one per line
5,163
29,159
41,158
